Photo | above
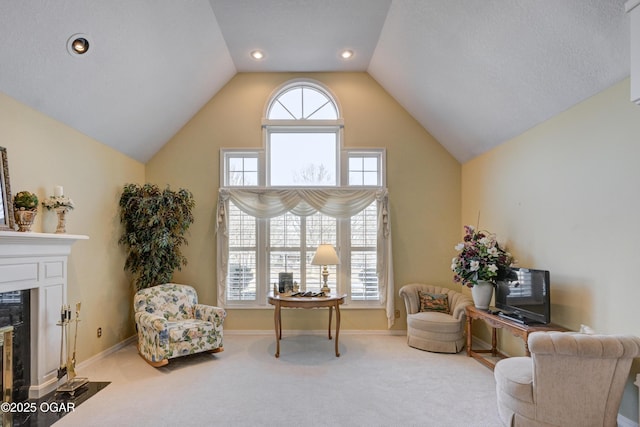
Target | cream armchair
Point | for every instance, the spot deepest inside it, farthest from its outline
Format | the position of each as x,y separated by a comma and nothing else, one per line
171,323
433,330
571,379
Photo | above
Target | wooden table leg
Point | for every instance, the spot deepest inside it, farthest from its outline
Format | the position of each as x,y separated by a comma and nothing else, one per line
277,321
494,342
337,327
469,320
330,314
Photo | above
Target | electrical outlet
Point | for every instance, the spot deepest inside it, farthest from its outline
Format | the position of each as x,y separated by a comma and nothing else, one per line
99,332
397,314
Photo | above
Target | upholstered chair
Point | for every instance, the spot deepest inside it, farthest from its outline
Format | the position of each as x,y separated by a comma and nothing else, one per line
171,323
432,324
571,379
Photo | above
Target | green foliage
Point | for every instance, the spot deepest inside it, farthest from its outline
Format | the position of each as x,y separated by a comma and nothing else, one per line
25,201
155,222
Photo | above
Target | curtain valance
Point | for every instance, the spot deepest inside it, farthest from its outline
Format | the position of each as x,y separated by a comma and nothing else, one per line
333,202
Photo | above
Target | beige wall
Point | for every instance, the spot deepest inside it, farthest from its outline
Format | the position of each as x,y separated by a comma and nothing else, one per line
43,153
423,181
565,197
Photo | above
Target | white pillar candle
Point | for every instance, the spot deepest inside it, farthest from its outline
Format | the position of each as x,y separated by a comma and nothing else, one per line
57,191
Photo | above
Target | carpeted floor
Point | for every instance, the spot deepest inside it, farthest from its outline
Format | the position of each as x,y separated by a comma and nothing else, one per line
377,381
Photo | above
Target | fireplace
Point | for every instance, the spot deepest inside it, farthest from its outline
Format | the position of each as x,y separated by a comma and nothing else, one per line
33,287
15,340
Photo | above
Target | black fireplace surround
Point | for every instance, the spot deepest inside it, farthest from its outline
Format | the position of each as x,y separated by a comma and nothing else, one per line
15,311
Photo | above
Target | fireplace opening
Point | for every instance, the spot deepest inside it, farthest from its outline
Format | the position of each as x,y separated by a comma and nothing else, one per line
15,313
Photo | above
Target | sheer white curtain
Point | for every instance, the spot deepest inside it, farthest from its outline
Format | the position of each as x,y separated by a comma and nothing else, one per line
334,202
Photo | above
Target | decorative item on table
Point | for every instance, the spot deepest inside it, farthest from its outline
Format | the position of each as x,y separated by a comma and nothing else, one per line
325,255
479,264
61,204
285,282
25,208
68,364
309,294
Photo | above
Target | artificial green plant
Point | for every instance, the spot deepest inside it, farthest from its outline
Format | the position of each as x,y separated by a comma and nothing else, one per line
154,223
25,201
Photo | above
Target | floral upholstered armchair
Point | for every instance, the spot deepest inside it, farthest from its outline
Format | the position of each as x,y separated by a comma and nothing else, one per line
171,323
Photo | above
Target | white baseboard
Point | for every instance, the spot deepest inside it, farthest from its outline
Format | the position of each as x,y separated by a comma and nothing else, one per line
314,332
106,352
626,422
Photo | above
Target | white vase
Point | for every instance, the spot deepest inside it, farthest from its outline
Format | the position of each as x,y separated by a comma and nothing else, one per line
482,293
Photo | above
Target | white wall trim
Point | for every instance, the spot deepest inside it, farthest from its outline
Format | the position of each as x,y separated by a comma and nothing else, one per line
107,352
315,332
626,422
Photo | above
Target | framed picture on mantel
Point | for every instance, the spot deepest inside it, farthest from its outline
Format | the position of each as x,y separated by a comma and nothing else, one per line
6,207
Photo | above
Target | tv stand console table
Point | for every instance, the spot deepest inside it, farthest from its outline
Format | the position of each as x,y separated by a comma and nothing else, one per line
499,322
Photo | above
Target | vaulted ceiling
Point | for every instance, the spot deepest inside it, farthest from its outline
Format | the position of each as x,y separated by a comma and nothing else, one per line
474,73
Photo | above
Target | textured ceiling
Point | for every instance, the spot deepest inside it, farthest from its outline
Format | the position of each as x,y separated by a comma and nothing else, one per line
473,73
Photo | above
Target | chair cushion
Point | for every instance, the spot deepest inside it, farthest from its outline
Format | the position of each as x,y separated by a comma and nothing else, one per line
188,330
514,376
433,302
434,321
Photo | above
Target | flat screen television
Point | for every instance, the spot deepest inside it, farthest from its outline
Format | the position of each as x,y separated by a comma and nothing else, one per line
524,296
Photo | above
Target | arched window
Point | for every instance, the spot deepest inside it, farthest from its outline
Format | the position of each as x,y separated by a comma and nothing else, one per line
303,134
302,101
277,205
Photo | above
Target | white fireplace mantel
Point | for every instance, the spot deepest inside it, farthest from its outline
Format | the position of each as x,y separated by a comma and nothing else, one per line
38,261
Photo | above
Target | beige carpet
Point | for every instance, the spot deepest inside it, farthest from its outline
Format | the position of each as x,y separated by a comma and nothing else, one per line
377,381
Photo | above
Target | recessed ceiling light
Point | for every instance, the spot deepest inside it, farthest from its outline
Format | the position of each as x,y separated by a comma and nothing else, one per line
78,44
346,54
257,54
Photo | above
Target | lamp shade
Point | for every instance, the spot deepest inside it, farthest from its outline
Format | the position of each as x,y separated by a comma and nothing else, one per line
325,255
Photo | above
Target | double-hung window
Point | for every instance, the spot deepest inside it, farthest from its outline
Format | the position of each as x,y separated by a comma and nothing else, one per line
278,204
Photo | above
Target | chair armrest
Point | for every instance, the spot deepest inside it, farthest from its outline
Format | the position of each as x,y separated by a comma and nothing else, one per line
151,321
410,295
459,303
209,313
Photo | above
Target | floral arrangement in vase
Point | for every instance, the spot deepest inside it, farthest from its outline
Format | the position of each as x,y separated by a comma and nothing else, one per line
58,200
53,202
480,257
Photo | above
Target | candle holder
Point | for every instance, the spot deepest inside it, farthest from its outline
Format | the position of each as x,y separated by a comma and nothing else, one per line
61,204
61,212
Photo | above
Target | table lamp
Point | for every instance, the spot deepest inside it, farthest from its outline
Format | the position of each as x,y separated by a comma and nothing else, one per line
325,255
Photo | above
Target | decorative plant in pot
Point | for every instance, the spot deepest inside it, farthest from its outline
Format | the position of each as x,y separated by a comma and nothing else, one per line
479,264
25,208
155,222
